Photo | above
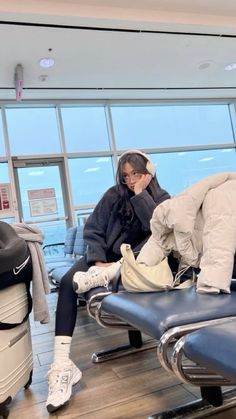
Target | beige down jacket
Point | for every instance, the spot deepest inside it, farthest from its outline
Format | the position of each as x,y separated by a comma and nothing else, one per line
200,225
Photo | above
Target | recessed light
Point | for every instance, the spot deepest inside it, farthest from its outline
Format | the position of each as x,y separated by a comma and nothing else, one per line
204,66
227,150
230,67
38,173
46,62
102,159
92,169
206,159
43,77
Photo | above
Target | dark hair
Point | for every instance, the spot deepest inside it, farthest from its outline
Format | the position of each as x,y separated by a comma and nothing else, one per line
138,162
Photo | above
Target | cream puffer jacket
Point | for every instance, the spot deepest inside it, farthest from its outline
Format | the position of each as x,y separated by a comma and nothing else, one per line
200,225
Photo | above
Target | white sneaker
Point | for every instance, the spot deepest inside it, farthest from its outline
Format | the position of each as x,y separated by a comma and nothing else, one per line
96,276
61,378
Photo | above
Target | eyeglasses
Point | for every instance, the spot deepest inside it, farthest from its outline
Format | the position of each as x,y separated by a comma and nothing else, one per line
133,176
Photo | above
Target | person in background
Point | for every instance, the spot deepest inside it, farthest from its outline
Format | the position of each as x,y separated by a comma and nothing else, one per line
121,216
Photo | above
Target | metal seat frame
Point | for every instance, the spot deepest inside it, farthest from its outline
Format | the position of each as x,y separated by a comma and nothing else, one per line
171,356
136,343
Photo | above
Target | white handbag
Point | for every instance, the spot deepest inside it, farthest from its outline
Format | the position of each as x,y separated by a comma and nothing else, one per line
137,277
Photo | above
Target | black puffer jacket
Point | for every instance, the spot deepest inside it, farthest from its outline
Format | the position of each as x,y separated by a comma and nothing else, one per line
104,233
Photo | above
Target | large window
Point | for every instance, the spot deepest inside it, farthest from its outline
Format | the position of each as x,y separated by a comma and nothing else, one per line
33,179
171,126
90,177
4,176
2,145
186,142
33,131
177,171
41,199
54,232
85,129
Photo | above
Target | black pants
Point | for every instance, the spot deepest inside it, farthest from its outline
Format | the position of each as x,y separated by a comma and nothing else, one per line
67,301
234,268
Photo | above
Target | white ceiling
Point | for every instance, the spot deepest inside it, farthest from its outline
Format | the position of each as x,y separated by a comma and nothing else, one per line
119,49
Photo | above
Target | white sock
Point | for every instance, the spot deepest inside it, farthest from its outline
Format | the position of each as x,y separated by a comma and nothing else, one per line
62,348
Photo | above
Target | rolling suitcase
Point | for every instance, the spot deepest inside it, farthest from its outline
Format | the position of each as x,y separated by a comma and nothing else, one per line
16,360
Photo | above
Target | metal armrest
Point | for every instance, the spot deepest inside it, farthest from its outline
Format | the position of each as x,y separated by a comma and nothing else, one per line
53,244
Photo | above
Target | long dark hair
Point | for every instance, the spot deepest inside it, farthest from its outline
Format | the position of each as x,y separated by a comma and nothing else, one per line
139,163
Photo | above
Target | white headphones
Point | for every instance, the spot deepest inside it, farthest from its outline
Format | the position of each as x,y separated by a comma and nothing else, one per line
149,166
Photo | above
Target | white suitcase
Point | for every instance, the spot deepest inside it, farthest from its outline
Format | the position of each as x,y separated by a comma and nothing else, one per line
16,360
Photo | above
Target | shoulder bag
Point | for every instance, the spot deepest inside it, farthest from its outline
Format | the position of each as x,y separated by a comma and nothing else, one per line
138,277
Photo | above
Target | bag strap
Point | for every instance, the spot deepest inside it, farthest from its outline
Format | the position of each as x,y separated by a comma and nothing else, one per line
127,254
186,284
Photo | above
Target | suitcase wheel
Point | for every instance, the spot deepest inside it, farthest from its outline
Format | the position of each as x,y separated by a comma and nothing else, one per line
4,411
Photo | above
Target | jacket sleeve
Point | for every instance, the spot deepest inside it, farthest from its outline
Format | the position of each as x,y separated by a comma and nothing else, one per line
95,230
144,205
151,253
219,239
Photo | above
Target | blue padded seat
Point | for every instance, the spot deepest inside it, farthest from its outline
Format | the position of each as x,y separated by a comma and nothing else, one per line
66,260
57,273
214,347
94,291
114,286
155,313
173,314
79,248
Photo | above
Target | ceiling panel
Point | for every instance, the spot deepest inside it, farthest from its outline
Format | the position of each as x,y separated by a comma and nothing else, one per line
120,63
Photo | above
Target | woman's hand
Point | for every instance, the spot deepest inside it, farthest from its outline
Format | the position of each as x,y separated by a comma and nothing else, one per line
142,183
103,263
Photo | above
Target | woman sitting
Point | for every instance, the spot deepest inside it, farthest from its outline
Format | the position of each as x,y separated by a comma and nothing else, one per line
122,215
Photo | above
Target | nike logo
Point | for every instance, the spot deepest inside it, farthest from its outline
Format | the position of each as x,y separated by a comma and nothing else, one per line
19,268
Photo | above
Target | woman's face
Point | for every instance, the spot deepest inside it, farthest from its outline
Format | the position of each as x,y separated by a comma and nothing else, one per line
130,176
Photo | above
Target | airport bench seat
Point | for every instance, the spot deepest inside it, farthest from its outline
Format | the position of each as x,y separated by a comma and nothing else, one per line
61,267
214,347
68,246
155,313
136,343
169,317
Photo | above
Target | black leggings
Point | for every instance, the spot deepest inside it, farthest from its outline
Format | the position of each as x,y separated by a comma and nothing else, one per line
67,301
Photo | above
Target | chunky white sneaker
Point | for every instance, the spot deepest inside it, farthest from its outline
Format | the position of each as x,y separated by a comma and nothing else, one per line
96,276
61,378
